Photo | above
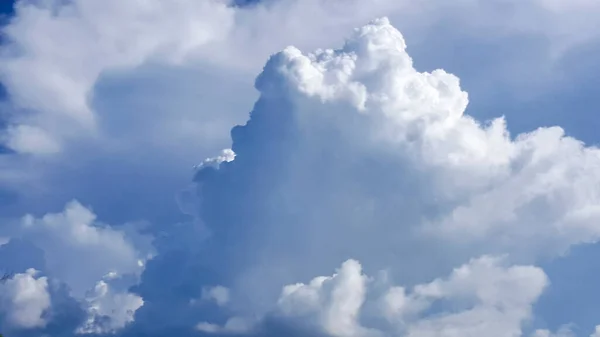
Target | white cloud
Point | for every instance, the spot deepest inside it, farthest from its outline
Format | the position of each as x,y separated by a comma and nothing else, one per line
159,77
488,187
484,297
227,155
89,38
337,300
369,149
25,300
119,308
111,36
498,300
353,152
218,294
81,251
97,263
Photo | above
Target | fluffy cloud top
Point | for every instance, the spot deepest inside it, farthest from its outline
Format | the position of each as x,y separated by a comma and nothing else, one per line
351,146
56,108
353,152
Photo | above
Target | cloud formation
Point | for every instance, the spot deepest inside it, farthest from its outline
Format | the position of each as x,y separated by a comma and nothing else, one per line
24,300
112,37
350,153
482,297
98,264
125,35
150,87
353,152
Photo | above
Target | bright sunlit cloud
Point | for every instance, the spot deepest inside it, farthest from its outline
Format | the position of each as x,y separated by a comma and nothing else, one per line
360,160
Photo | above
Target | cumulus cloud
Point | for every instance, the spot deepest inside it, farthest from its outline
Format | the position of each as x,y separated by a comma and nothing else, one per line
107,311
25,300
178,82
482,297
348,153
353,152
382,152
75,236
141,93
112,36
115,35
96,262
336,300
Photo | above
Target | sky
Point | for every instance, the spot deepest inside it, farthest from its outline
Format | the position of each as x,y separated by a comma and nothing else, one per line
304,168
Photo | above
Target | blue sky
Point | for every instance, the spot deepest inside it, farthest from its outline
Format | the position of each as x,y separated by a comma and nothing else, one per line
6,7
299,168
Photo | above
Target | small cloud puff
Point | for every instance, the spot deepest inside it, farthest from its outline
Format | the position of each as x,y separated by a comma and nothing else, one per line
109,312
218,294
25,300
